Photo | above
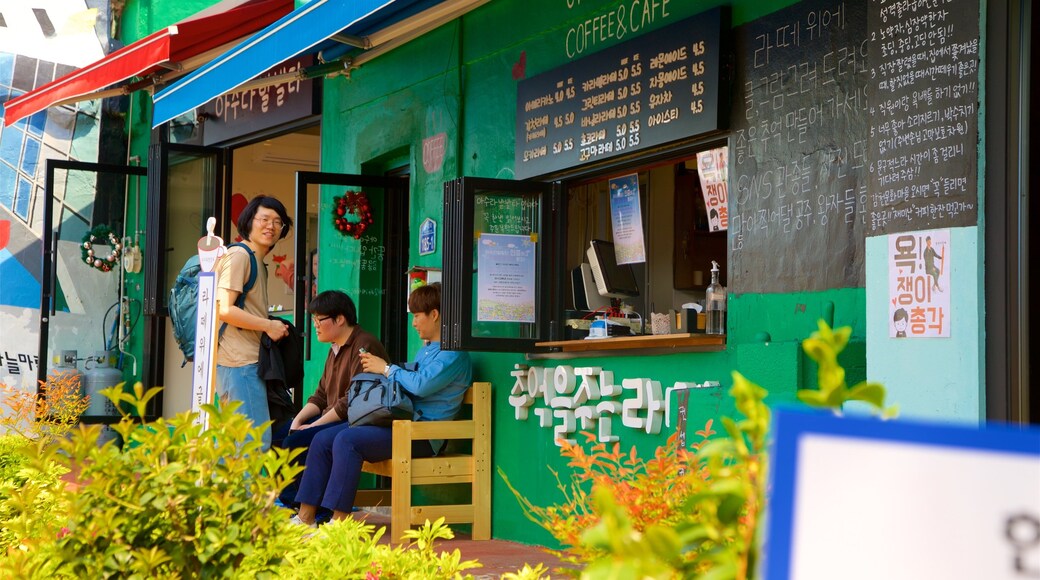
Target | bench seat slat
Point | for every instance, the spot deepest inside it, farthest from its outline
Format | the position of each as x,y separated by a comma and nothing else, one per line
406,472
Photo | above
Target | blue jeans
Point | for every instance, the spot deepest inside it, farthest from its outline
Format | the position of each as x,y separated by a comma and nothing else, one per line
334,462
245,385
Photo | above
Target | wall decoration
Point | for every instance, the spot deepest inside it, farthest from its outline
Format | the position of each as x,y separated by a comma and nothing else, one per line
353,203
99,235
919,284
588,397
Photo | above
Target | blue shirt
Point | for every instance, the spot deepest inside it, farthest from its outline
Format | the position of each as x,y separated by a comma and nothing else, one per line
438,384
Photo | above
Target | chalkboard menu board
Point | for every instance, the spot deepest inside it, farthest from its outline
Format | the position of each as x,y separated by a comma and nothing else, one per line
924,115
644,92
798,187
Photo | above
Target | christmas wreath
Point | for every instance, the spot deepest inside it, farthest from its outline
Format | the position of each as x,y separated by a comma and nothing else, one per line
353,203
101,234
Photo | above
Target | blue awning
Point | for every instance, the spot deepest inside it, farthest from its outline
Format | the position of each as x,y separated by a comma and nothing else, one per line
308,29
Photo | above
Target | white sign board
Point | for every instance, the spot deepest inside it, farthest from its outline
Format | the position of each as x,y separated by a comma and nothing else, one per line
205,349
210,248
866,499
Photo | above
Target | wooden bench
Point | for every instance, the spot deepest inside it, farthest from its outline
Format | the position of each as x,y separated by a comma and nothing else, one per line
407,472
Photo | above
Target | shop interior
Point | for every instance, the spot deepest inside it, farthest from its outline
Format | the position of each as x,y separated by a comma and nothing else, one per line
674,268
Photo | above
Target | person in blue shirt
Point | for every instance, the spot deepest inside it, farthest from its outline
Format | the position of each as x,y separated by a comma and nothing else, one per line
439,381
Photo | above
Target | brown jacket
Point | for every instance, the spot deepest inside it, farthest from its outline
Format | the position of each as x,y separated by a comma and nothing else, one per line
340,369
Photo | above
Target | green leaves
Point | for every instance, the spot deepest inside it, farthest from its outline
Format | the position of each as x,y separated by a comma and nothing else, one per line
824,346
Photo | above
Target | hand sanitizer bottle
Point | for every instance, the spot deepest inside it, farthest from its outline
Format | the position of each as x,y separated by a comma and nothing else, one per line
715,303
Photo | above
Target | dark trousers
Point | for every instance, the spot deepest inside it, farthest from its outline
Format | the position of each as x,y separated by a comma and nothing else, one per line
300,440
333,470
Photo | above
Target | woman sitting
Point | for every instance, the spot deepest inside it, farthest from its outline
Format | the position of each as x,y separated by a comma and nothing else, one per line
330,478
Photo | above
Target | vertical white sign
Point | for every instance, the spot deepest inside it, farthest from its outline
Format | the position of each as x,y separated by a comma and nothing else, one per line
205,349
210,248
919,284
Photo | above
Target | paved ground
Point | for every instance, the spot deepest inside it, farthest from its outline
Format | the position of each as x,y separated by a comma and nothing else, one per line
497,556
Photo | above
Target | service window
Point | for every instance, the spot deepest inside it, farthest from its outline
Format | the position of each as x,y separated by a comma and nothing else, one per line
498,264
619,245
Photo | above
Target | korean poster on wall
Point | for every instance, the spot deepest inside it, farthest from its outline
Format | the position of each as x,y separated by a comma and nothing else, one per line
505,279
627,219
711,168
919,284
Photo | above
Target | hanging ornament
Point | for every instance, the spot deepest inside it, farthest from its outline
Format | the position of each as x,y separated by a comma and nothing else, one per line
96,257
354,203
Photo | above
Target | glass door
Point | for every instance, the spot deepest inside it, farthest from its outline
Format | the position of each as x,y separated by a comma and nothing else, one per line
368,261
82,297
188,184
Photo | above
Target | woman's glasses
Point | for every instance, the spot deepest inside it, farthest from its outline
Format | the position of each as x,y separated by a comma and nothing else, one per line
264,222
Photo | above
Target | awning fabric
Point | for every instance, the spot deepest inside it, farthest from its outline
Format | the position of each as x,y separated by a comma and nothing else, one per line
218,25
307,29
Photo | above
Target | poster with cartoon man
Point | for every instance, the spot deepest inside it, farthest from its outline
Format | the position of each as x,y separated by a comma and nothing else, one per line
919,284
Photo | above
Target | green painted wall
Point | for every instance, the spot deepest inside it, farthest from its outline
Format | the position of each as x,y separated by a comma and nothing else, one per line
459,80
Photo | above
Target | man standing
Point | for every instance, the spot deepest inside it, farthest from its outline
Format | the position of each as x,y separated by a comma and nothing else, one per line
929,263
262,223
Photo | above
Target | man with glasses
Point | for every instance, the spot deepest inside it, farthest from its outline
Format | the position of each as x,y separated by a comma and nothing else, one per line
262,223
334,317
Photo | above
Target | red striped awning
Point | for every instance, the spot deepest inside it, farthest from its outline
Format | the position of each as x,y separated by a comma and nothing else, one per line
163,51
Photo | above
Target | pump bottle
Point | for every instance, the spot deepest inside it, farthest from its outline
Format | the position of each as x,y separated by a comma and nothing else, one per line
715,303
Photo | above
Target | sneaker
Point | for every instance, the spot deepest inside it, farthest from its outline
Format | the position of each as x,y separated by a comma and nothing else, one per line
297,521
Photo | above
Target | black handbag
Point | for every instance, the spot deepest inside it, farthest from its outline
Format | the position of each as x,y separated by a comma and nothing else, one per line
376,400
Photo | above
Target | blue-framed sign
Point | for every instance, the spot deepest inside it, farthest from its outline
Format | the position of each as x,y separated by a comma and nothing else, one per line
856,498
427,237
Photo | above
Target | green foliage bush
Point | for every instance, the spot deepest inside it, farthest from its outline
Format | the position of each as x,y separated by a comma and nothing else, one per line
351,549
707,526
177,501
172,502
30,493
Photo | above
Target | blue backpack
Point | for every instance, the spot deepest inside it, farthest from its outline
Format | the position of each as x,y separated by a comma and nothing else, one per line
184,301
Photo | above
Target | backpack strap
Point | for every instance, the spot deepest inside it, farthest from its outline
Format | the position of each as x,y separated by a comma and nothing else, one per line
241,301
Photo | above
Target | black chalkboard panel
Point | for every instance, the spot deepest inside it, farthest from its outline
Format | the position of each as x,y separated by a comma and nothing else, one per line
924,115
799,149
654,89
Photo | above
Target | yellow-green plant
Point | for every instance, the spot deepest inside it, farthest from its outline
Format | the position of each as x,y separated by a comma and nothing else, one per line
824,346
713,534
351,549
31,494
31,490
174,501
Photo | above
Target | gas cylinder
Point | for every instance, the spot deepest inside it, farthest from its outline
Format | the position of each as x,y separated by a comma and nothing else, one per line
100,374
66,368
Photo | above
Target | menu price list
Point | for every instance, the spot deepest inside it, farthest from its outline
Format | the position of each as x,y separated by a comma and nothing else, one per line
641,93
924,114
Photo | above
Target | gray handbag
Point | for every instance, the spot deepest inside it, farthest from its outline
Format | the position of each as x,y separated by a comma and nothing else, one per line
373,399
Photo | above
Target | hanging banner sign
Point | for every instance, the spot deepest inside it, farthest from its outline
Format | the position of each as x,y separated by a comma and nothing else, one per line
919,284
711,167
626,216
